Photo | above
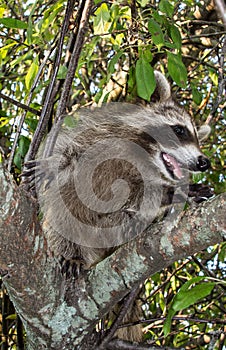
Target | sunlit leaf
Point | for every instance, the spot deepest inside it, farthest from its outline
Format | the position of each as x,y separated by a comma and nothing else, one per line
213,77
102,16
31,74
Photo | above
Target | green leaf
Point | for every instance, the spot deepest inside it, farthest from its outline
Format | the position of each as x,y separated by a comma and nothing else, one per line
71,121
145,79
31,74
143,3
62,72
24,143
156,32
147,55
186,297
22,149
168,321
102,16
32,124
4,49
13,23
213,77
222,253
159,18
29,32
132,91
113,61
177,69
196,94
166,7
11,317
175,35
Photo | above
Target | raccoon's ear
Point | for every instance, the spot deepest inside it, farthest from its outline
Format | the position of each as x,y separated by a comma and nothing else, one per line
162,89
203,132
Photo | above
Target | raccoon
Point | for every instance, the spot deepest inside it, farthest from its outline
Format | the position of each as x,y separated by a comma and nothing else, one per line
113,171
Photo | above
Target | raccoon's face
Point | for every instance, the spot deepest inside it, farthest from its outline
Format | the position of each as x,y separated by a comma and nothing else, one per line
178,148
186,156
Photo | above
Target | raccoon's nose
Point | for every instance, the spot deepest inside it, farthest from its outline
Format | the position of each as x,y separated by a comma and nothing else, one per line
203,163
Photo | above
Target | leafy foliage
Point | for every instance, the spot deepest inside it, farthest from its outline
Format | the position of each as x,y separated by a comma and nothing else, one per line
184,302
124,43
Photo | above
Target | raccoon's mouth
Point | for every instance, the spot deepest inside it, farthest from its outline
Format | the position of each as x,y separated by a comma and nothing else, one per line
172,166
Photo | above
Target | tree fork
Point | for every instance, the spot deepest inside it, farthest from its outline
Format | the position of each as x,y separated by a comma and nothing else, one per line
60,313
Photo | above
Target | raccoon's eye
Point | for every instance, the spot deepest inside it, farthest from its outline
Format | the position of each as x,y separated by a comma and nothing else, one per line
179,130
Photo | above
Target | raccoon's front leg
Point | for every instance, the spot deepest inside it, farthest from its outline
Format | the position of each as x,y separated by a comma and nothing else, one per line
73,267
200,192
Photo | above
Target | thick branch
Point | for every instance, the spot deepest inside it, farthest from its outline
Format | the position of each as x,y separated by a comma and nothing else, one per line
62,313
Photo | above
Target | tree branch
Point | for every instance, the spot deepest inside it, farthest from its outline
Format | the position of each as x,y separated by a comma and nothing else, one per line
61,109
40,293
45,115
129,300
19,104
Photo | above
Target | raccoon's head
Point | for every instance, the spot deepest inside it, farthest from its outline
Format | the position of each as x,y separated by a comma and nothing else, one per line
178,139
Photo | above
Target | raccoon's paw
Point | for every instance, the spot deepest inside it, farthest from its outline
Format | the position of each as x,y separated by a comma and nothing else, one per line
28,175
37,173
200,192
71,268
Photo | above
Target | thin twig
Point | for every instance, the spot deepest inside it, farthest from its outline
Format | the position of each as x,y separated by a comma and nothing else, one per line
118,344
203,35
45,115
86,5
74,59
151,322
221,83
28,101
19,104
201,22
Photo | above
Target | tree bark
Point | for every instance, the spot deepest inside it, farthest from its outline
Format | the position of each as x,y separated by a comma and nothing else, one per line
59,313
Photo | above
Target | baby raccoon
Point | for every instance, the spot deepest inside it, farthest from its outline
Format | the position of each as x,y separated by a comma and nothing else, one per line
111,173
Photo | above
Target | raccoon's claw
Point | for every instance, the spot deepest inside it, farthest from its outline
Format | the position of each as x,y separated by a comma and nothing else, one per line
200,192
36,173
71,268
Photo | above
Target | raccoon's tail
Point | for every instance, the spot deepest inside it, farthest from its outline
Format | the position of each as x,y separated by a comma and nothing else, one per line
125,318
132,333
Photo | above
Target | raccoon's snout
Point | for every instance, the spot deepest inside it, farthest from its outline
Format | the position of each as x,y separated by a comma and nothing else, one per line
203,163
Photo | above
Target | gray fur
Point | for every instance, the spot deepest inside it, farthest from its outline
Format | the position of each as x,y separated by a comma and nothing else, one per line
106,180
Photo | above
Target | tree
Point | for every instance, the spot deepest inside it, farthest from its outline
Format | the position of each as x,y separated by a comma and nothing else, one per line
58,56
